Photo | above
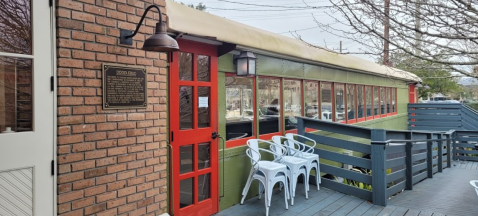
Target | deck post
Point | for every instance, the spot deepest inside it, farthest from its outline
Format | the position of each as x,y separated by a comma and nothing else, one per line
440,153
379,184
409,162
430,155
300,129
448,150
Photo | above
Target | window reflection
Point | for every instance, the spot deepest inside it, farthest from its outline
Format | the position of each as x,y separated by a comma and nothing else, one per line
268,96
389,99
312,99
239,108
368,101
351,109
394,100
203,68
376,99
15,94
15,25
360,102
339,102
185,66
292,102
383,100
326,103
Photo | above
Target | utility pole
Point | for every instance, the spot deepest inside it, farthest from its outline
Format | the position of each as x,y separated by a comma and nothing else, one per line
386,34
340,48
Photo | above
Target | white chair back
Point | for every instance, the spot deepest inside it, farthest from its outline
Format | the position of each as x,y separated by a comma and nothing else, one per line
253,152
474,183
290,143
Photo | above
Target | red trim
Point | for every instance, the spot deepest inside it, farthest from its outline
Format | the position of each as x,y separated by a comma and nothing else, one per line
237,142
411,93
310,130
291,131
269,136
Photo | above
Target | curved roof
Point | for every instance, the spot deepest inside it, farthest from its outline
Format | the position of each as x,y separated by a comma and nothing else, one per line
187,20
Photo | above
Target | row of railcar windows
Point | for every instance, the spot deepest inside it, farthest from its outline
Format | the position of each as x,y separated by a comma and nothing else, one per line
277,102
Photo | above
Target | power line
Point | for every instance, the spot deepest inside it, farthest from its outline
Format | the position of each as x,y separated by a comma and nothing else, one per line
298,30
277,6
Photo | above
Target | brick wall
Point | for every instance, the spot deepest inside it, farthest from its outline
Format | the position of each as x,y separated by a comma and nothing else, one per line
110,162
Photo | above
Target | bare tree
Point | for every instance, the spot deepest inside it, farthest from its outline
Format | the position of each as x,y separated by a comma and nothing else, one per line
442,32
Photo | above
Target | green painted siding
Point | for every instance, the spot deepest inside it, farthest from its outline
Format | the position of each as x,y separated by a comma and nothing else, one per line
237,164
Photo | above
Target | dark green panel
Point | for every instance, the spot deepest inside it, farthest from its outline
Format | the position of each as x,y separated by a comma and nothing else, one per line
312,72
221,104
269,66
293,69
226,63
327,74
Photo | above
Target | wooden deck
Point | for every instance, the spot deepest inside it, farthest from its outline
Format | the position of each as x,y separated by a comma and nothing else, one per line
448,193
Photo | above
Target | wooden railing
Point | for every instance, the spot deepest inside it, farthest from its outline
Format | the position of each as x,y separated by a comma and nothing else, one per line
465,142
441,117
407,156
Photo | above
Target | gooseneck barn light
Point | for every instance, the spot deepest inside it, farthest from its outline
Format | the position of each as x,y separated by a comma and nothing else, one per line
246,64
160,41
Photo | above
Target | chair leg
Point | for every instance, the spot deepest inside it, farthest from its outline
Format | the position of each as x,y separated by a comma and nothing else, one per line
306,185
286,193
293,185
261,189
246,189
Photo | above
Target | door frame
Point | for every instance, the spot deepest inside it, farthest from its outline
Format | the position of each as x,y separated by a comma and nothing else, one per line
193,47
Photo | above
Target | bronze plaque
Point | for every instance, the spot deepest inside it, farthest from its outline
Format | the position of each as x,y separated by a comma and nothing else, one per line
124,87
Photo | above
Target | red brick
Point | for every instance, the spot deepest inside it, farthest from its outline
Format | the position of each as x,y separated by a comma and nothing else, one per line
95,47
136,132
78,54
145,202
70,158
95,154
64,178
116,202
136,164
105,161
65,43
82,16
126,208
135,197
70,82
143,139
83,146
126,141
64,91
116,185
95,136
64,208
70,24
126,60
126,175
116,168
95,190
78,185
106,143
93,100
136,52
106,196
95,118
66,168
136,148
116,15
62,198
117,50
106,179
64,188
82,73
95,208
109,212
136,116
95,172
82,203
70,120
126,125
78,212
144,171
126,158
83,165
126,191
95,10
142,124
106,57
94,28
70,4
117,117
117,151
63,149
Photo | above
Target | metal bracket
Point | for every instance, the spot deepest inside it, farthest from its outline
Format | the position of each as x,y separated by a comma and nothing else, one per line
124,39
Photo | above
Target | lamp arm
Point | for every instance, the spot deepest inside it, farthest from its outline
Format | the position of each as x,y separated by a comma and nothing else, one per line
142,18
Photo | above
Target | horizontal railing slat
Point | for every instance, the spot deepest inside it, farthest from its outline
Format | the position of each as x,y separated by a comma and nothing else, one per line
434,153
435,170
461,138
470,158
434,112
341,158
339,128
420,156
348,174
441,119
466,151
395,162
346,189
420,146
339,143
464,145
419,167
396,175
395,148
395,189
432,123
419,177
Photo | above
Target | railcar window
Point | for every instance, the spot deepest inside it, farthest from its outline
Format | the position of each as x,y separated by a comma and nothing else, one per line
269,106
339,102
360,101
383,101
326,103
351,108
376,100
239,107
389,100
311,93
292,103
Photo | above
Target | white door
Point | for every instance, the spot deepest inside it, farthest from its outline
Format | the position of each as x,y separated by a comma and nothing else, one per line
26,108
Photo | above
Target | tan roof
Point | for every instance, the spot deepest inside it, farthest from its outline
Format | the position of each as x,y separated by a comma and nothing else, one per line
191,21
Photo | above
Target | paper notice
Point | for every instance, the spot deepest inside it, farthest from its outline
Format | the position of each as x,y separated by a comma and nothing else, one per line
203,102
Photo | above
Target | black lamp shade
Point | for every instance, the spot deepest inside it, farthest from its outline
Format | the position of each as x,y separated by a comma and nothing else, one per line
160,41
246,64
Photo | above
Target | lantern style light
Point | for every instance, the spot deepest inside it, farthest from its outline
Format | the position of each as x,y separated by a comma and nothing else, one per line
159,42
246,64
418,85
426,86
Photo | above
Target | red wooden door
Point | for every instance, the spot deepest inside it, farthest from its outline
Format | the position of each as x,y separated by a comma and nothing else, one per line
193,120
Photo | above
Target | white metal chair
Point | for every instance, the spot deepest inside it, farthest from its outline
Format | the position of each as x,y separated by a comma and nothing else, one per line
267,172
306,152
296,166
474,183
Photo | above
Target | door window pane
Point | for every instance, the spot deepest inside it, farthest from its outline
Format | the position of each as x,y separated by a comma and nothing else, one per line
186,192
204,155
360,101
394,100
292,103
15,25
185,66
186,159
368,101
269,105
239,108
389,100
383,100
312,100
376,100
203,68
186,105
339,102
326,103
203,107
204,182
15,95
351,109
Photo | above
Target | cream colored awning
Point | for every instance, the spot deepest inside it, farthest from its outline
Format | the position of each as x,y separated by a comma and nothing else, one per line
183,19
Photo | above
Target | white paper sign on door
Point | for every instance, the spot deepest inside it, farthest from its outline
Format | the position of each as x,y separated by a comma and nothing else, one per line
203,102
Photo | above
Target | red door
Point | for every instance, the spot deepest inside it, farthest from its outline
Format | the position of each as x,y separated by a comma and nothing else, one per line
193,120
411,93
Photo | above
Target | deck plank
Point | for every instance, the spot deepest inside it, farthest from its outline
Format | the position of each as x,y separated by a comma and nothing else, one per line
347,208
373,211
330,209
387,210
425,213
475,164
322,204
400,211
412,212
361,209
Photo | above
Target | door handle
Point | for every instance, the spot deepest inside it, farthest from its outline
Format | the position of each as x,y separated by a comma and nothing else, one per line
214,135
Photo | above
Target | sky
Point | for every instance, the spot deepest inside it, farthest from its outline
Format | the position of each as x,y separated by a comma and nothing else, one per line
290,16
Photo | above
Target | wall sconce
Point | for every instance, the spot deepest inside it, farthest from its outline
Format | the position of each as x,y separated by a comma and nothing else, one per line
426,86
245,64
159,42
418,85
